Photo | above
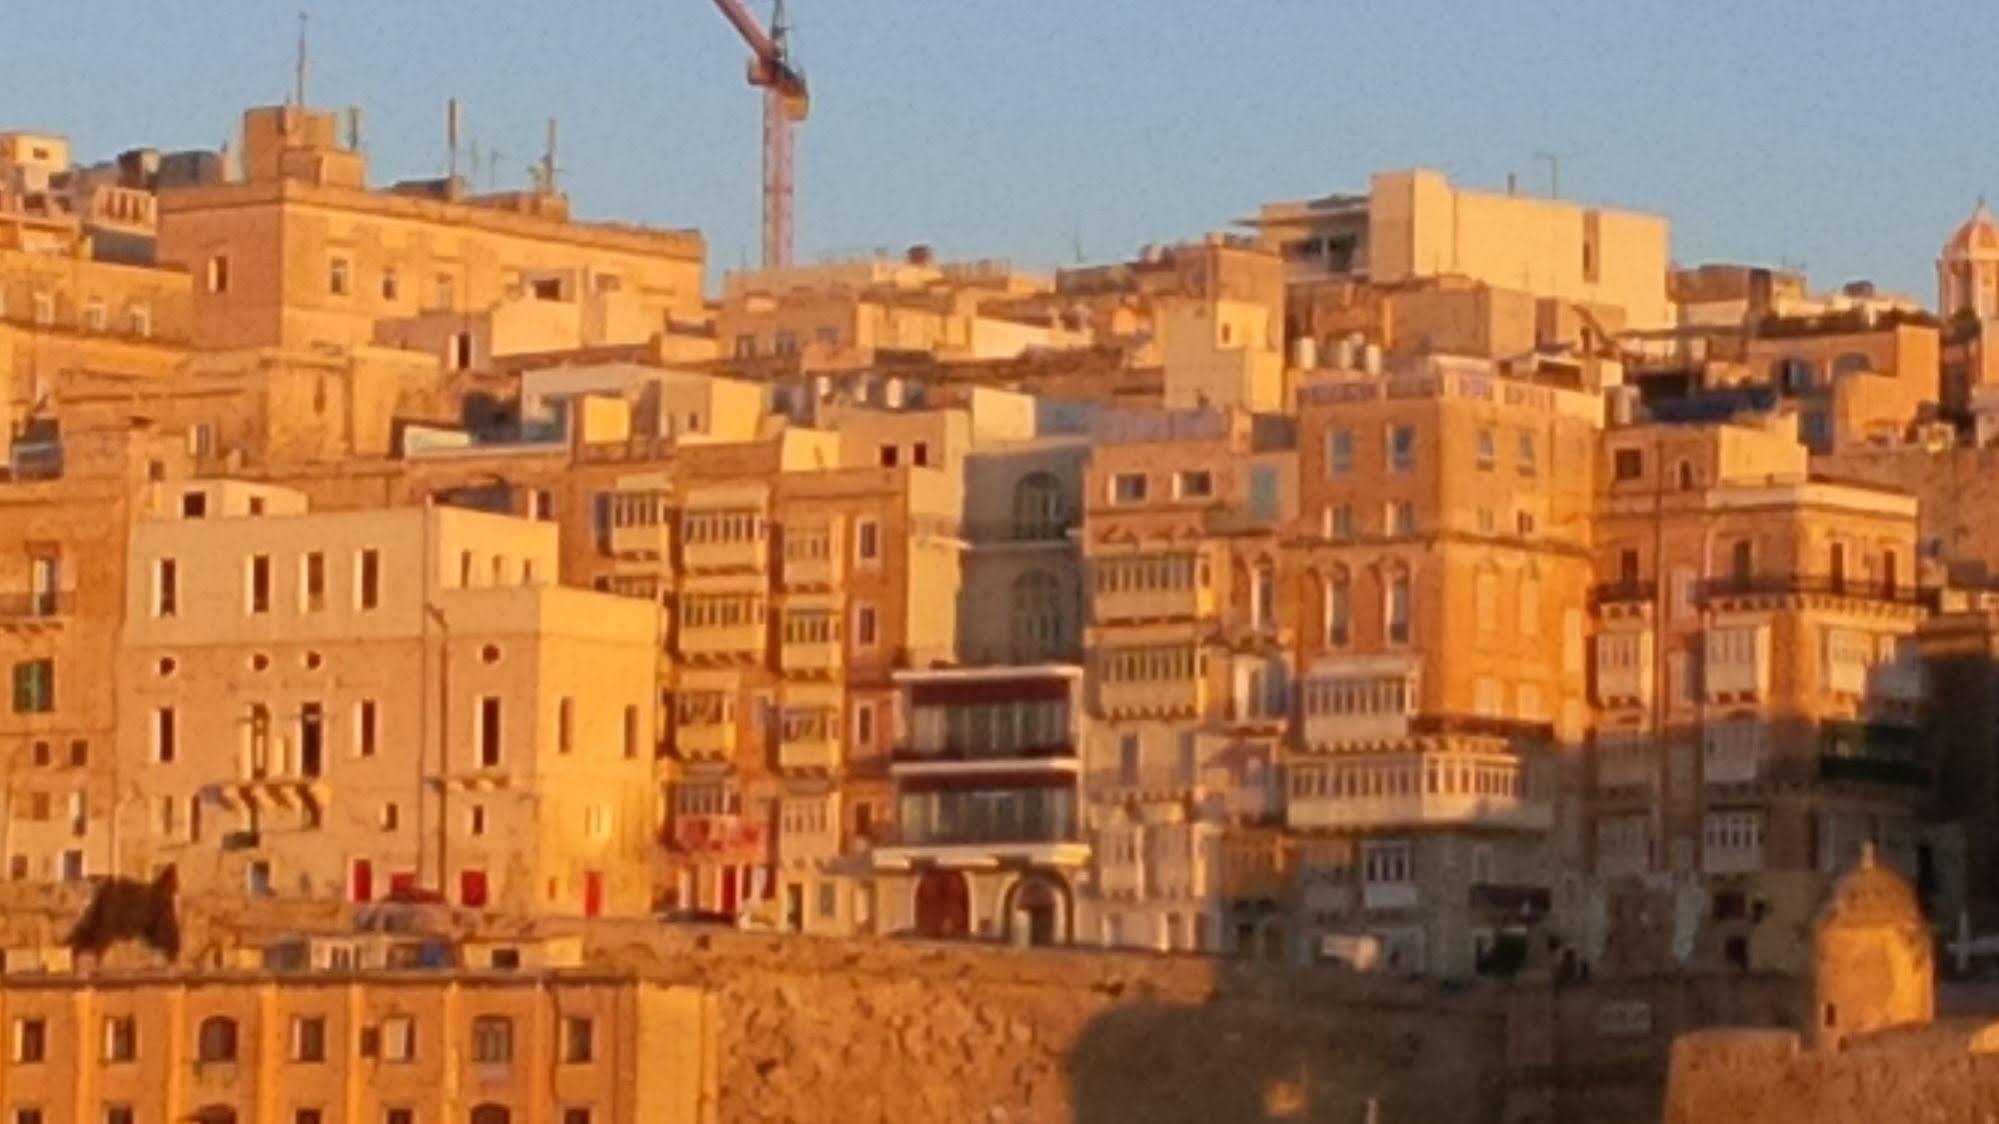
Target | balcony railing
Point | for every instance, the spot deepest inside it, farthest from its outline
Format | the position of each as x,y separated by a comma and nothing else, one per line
960,752
1624,591
1873,770
36,604
1051,530
1822,584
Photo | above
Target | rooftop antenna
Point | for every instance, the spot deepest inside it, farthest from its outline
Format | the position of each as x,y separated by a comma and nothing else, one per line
545,175
1554,160
451,138
298,77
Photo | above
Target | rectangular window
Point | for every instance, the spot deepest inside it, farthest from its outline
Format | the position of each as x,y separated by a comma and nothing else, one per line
1628,464
1401,518
864,724
867,540
1530,462
1487,450
258,592
218,273
579,1044
337,276
864,626
1128,759
475,820
398,1039
118,1114
1128,487
166,587
489,732
575,1116
368,579
312,582
309,1038
31,1040
565,726
35,686
194,505
1401,441
308,1116
1398,609
492,1040
1339,522
365,732
392,286
1193,484
919,453
1339,452
632,732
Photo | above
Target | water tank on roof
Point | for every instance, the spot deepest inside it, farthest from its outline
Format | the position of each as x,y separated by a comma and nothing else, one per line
1305,353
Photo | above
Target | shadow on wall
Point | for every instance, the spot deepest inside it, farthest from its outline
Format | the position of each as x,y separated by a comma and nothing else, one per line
1266,1047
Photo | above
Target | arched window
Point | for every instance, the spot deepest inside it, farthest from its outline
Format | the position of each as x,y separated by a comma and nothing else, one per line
1040,511
492,1114
1396,608
1038,626
1686,476
1339,609
216,1041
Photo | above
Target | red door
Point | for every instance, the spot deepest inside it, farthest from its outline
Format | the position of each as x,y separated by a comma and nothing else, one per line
402,883
361,880
593,893
729,890
943,904
472,888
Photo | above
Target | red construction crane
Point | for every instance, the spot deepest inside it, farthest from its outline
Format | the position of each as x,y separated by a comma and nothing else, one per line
785,105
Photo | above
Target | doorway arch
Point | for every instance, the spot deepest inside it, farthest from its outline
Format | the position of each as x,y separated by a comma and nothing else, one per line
1037,909
943,904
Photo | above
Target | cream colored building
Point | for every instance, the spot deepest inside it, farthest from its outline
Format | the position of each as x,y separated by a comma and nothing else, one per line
1758,686
302,253
348,705
358,1028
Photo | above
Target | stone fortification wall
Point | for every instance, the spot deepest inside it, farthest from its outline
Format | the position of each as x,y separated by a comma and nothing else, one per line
1931,1074
889,1030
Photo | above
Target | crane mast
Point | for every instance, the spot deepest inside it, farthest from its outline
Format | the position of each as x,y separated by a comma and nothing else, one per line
786,103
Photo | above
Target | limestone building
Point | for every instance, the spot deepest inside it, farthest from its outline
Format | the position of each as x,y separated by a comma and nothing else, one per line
371,704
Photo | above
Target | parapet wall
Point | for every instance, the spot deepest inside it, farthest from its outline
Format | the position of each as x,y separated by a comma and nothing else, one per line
1937,1073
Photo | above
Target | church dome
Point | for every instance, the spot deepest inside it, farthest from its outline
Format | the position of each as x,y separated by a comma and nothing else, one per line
1977,238
1871,895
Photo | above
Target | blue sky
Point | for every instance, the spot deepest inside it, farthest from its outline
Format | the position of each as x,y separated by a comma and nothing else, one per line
1848,136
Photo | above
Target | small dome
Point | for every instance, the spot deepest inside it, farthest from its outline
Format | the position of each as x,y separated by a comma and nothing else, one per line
1871,895
1978,237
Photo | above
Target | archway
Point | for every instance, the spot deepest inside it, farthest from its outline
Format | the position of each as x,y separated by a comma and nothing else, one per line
491,1114
943,904
1036,910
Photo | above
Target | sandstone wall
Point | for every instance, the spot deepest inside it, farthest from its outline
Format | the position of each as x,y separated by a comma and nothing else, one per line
894,1031
1766,1077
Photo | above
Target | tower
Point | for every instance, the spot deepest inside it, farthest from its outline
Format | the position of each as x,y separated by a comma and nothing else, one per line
1968,271
1872,965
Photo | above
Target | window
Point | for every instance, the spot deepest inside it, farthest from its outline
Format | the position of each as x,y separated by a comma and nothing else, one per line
461,351
392,286
1628,464
391,815
492,1040
1263,597
1193,484
366,737
578,1039
95,317
1397,610
1523,522
259,585
888,456
565,725
489,732
864,724
919,453
1389,862
118,1114
1127,759
631,731
829,899
398,1039
140,320
337,279
308,1038
1339,522
308,1116
312,582
35,686
475,820
218,273
1400,518
1529,460
1339,452
1128,487
257,879
1339,610
444,292
368,579
31,1040
864,626
27,1116
45,308
867,540
1487,450
1401,448
1742,560
216,1040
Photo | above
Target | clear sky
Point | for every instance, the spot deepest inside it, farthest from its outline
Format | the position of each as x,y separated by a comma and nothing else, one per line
1846,135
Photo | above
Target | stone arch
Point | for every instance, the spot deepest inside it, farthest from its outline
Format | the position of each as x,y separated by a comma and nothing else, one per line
942,903
1040,509
1038,908
490,1113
